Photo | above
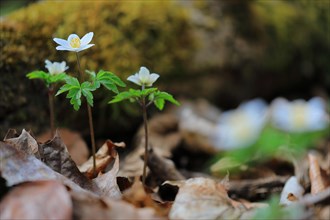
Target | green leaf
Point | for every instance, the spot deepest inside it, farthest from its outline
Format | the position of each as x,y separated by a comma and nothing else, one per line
72,81
57,78
161,97
167,97
110,86
123,96
159,103
37,75
88,95
109,80
64,88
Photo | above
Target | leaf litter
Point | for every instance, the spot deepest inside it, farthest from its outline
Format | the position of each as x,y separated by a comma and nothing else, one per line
173,191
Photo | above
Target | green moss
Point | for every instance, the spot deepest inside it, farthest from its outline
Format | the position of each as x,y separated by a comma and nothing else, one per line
128,34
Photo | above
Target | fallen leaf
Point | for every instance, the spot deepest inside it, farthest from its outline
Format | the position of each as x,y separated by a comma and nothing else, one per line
75,144
37,200
107,182
163,169
317,184
104,156
203,198
57,157
139,197
17,167
92,207
24,142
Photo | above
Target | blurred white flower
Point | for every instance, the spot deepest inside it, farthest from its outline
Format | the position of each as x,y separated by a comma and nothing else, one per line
143,77
299,115
240,127
56,67
291,192
74,43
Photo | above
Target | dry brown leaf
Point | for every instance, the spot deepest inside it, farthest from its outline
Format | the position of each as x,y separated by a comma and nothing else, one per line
108,182
37,200
76,146
138,196
57,157
317,184
104,156
92,207
24,142
17,167
203,198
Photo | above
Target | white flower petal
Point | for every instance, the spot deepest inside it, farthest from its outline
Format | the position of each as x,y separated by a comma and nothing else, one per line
61,42
135,79
84,47
317,102
292,191
87,38
64,48
153,77
144,75
48,63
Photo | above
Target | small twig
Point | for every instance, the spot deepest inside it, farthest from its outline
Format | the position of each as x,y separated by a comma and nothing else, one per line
256,188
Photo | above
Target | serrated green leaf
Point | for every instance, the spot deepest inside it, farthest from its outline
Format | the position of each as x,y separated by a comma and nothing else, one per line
72,81
111,87
122,96
37,75
72,92
88,95
160,97
57,78
64,88
146,92
159,103
87,86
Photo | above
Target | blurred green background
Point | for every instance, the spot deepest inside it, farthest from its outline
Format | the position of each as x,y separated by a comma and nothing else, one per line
224,51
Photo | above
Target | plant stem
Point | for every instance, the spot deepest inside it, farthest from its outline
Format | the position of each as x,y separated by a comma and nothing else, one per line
91,128
90,120
51,110
145,122
80,72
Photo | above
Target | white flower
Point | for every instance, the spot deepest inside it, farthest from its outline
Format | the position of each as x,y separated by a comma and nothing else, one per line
56,67
74,43
299,115
240,127
292,191
143,77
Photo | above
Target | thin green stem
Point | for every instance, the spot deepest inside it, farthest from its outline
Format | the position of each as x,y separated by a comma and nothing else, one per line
80,71
90,120
51,110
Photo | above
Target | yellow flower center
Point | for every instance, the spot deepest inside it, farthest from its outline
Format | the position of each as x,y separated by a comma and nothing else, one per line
299,116
241,124
75,42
